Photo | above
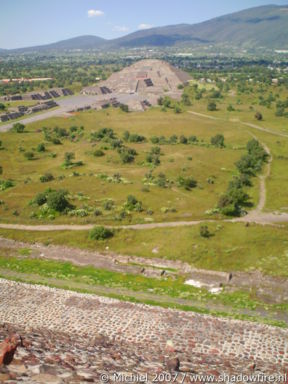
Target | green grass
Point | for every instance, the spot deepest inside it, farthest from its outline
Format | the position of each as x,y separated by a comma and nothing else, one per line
173,288
174,162
233,247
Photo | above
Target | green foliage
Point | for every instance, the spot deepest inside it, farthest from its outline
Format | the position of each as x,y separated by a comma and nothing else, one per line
55,200
18,128
5,184
41,147
204,231
133,137
124,108
100,233
127,155
46,177
29,155
187,182
103,134
218,141
252,163
258,116
98,153
212,106
132,204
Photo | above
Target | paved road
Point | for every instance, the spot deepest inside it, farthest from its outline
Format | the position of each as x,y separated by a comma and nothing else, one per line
71,103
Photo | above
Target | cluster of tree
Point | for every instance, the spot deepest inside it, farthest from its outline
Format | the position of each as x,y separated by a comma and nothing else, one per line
235,198
68,163
218,141
187,183
174,139
56,200
18,128
132,204
153,157
56,134
251,163
133,137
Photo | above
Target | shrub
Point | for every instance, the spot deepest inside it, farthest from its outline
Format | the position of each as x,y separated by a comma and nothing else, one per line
204,231
41,147
188,183
46,177
29,155
100,233
124,108
98,153
5,184
97,212
258,116
18,128
1,170
57,201
211,106
132,204
218,141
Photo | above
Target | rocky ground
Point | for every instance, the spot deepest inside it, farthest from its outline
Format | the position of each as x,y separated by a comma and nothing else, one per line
68,337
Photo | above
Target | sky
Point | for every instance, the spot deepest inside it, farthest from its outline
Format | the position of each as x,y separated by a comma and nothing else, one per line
26,23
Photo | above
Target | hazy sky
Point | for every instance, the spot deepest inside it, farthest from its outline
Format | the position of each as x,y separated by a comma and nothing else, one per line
33,22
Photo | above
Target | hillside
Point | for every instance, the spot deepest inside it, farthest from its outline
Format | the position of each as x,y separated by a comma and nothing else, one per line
265,26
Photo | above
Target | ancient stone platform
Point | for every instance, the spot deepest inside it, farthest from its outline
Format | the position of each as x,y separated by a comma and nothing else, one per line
106,335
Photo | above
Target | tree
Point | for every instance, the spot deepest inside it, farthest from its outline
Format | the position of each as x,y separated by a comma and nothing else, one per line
2,107
188,183
18,127
57,201
211,106
1,170
218,141
100,233
258,116
69,156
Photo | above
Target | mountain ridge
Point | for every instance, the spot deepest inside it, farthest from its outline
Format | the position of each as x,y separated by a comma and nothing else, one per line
264,26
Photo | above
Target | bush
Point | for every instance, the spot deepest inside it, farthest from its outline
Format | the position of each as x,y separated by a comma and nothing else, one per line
5,184
29,155
41,147
98,153
132,204
100,233
124,108
204,231
258,116
188,183
18,128
57,201
218,141
46,178
211,106
1,170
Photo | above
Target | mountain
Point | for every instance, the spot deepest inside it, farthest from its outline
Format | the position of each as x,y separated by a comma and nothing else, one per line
265,26
76,43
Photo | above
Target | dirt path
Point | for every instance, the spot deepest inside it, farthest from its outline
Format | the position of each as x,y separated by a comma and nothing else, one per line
250,125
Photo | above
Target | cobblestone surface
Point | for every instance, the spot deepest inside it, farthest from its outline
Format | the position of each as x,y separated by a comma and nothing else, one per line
133,337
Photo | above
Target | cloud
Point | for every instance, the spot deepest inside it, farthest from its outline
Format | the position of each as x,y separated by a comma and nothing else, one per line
120,28
144,26
95,13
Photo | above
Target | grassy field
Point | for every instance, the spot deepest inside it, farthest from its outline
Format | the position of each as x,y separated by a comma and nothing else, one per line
201,161
167,292
232,247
